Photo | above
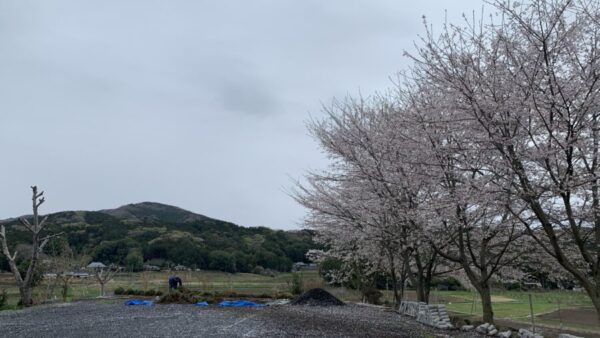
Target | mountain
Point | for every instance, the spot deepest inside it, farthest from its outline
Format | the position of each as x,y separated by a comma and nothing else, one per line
154,211
160,234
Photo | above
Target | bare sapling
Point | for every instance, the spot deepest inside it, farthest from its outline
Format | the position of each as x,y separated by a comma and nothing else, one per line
38,241
103,276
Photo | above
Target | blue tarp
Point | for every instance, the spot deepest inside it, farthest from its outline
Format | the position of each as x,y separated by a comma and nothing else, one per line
139,302
239,303
201,304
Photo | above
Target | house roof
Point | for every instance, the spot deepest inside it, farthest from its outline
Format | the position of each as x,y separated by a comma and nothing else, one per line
96,265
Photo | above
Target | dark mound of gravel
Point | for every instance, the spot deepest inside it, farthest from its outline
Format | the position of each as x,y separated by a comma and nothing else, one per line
317,297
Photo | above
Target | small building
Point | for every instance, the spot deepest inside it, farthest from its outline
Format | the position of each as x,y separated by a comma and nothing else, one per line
299,266
79,275
148,267
181,268
96,265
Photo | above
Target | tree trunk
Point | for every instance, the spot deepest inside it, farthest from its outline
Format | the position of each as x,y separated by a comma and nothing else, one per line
403,281
429,276
102,289
426,291
394,280
397,297
421,291
486,303
420,281
596,301
25,292
65,291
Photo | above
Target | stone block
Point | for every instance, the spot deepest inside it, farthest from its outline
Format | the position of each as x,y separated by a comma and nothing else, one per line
467,328
429,314
505,334
483,328
524,333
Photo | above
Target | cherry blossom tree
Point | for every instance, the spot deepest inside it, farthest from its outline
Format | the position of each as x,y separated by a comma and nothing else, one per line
525,86
406,181
491,136
368,192
465,208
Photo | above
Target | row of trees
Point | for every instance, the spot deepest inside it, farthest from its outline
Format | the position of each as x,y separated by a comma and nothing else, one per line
482,158
130,254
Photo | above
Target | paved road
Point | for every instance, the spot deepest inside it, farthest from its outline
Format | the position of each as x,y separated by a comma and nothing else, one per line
113,319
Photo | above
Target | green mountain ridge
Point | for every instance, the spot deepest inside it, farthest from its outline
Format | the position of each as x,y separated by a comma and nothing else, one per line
156,211
160,234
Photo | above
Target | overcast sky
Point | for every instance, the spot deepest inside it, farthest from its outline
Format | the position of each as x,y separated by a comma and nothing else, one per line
199,104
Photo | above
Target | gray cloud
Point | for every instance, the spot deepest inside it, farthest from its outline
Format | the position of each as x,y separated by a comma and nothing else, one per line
200,104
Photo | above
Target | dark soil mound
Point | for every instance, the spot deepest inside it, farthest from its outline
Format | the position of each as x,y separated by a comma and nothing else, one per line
317,297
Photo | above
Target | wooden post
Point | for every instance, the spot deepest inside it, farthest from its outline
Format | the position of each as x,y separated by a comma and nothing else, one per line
559,314
531,312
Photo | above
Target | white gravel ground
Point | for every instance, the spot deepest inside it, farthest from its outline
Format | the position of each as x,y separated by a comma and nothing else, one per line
114,319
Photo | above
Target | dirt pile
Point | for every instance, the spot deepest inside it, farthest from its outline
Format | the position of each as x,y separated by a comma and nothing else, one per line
317,297
180,296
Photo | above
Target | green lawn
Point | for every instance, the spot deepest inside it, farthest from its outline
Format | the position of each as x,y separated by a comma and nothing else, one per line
512,304
514,307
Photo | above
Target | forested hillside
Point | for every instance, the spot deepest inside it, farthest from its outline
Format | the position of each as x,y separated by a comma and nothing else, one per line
162,235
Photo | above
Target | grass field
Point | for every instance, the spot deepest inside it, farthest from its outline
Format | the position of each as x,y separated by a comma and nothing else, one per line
206,281
514,306
508,305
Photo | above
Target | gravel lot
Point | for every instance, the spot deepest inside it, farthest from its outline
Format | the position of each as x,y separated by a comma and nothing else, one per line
113,319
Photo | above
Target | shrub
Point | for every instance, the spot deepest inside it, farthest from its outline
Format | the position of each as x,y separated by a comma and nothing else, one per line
284,295
296,287
328,267
119,291
372,295
38,274
258,270
270,273
3,298
447,283
511,286
313,283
